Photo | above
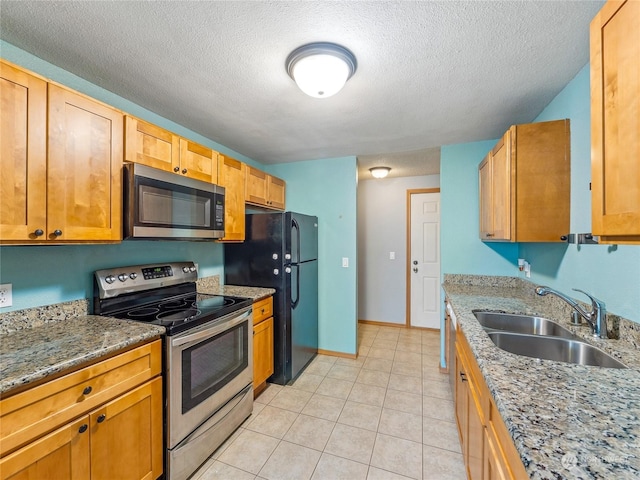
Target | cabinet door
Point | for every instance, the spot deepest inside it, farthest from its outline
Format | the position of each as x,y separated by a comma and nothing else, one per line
23,149
126,435
256,186
262,351
63,453
84,187
231,175
501,188
494,466
461,401
486,203
615,122
151,145
198,162
276,192
475,434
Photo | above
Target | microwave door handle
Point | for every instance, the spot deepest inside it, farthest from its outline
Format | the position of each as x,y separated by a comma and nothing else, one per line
210,332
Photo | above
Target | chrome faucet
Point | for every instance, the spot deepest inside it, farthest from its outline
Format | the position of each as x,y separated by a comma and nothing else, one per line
597,317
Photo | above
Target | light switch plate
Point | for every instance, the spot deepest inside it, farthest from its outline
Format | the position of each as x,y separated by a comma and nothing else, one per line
345,262
392,255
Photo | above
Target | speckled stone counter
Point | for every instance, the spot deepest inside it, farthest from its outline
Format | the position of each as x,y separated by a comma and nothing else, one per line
566,421
31,354
212,286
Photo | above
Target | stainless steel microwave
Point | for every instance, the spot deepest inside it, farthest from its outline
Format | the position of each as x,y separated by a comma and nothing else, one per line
163,205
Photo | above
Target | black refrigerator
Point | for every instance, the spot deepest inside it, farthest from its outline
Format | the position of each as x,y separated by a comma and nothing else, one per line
281,251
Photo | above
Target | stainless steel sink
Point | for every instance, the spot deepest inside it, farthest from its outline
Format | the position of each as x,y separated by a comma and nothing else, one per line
526,324
554,348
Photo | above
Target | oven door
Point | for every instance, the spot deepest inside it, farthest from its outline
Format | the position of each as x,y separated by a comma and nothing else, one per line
207,367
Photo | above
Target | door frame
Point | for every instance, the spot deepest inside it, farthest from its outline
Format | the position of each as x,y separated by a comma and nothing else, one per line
410,192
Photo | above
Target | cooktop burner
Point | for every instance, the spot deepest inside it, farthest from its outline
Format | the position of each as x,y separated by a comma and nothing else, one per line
182,313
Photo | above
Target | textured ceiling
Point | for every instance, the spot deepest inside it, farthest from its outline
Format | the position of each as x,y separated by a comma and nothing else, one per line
429,73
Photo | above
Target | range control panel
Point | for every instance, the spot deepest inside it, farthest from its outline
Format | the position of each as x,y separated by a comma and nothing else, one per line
116,281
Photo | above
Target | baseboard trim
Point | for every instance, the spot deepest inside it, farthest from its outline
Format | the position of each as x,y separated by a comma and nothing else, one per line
397,325
331,353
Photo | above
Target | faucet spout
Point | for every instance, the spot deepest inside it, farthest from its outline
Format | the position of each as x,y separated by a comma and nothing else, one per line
596,318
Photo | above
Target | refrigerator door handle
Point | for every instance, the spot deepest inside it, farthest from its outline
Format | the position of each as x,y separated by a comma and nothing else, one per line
294,302
296,226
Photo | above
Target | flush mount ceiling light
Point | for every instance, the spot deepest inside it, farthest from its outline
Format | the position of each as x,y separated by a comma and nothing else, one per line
321,69
380,172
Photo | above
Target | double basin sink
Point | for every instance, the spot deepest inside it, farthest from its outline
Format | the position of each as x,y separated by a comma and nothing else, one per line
539,337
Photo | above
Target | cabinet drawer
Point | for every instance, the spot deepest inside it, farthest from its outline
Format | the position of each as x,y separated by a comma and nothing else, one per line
39,410
262,309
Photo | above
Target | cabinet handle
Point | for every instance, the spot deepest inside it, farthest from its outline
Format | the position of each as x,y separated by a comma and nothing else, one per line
83,428
39,232
102,418
87,390
489,235
184,170
176,169
564,238
463,376
57,233
262,311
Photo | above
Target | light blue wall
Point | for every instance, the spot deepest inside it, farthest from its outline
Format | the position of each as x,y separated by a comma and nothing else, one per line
612,273
327,188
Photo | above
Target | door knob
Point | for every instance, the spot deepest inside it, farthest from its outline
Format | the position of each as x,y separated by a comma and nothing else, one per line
415,270
415,262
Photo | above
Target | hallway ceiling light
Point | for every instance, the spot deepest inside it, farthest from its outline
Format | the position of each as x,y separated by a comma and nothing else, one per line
380,172
321,69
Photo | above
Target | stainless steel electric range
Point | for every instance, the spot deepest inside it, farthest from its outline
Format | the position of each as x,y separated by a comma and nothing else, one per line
208,348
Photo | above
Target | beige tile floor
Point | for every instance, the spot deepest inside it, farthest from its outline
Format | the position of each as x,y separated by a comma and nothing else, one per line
386,415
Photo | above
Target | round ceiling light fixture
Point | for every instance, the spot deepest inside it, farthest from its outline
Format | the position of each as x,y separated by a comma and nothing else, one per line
380,172
321,69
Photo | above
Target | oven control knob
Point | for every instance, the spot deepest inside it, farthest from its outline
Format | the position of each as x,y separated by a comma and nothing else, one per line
110,279
185,269
123,277
276,271
274,256
133,276
192,269
287,256
287,269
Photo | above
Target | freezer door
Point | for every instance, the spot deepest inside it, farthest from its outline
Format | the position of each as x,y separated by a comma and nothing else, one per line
304,315
303,234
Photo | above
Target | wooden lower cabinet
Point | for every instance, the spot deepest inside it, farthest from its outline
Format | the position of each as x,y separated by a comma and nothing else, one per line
118,439
63,453
126,435
262,342
487,448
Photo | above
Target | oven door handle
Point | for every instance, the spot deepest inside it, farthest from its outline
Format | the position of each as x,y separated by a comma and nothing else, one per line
210,332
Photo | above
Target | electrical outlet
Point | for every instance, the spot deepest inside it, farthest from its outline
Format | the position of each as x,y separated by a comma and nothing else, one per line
6,295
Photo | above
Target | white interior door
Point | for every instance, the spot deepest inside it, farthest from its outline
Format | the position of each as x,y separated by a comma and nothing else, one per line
424,260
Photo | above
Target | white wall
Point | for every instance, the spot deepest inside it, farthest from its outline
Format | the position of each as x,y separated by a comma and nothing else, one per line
382,215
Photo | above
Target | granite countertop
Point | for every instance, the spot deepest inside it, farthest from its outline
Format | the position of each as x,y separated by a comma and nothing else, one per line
33,353
211,285
566,421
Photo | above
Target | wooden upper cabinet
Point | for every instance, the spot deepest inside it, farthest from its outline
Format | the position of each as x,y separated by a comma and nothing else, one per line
231,176
156,147
23,154
264,190
525,184
615,122
150,145
84,194
61,161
